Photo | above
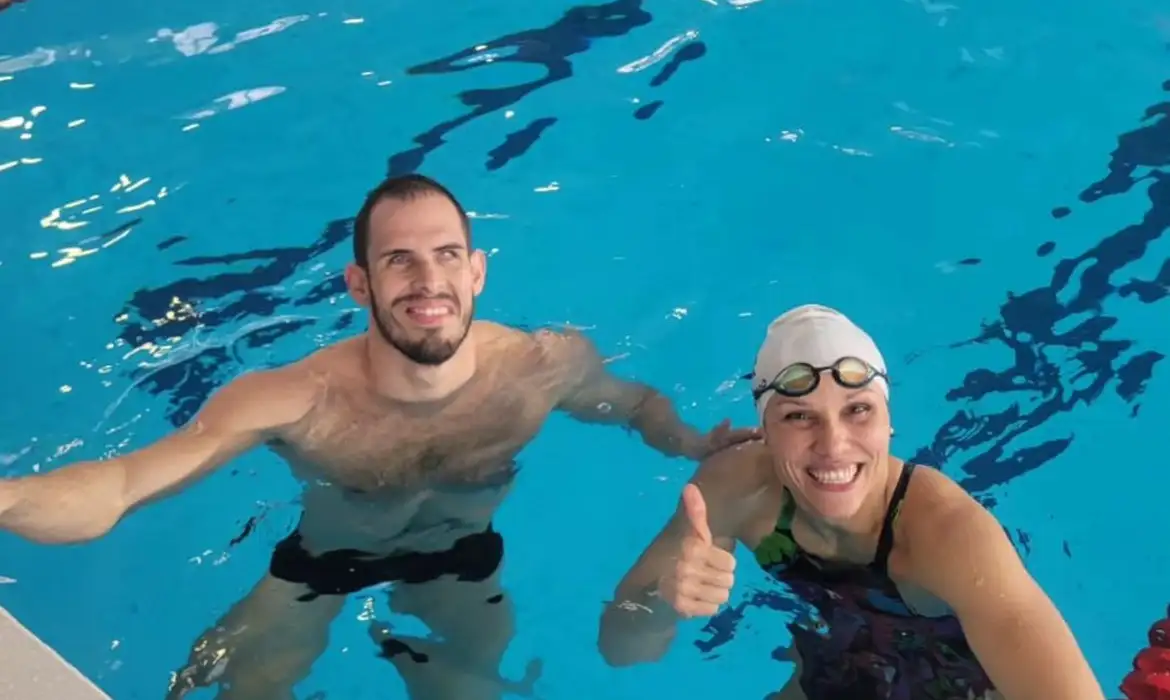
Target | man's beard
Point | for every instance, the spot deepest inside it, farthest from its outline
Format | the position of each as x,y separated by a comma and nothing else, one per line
431,349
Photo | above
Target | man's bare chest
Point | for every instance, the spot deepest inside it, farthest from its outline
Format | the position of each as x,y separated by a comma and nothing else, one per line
470,442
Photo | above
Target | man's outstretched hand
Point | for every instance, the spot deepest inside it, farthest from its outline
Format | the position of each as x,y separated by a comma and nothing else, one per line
722,437
5,4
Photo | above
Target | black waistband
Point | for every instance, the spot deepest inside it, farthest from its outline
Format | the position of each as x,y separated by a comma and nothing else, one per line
473,557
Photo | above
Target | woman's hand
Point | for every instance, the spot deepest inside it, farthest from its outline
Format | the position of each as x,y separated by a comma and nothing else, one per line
702,577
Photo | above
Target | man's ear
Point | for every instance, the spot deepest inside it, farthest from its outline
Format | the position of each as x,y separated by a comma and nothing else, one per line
478,271
357,280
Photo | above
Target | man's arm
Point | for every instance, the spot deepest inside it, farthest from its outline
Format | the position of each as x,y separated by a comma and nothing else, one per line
86,500
593,394
1016,632
638,626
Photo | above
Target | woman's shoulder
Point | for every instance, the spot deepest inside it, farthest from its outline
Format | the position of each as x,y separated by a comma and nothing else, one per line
933,507
940,518
931,493
734,481
735,470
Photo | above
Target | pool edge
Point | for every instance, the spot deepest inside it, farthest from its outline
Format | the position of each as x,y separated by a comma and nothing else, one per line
30,669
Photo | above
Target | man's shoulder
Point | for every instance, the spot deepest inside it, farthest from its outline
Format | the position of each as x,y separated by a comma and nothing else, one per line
290,390
294,382
565,342
546,339
493,331
559,357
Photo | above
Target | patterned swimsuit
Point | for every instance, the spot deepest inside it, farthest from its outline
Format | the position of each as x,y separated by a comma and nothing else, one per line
870,645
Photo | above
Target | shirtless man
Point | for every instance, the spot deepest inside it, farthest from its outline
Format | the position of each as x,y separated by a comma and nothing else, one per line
405,439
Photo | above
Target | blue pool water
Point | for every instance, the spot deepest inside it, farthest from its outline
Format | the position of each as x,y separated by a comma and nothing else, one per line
984,186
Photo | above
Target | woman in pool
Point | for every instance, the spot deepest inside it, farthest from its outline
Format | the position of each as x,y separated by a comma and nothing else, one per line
919,593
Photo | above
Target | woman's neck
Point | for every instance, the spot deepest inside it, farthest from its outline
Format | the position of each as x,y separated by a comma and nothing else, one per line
860,532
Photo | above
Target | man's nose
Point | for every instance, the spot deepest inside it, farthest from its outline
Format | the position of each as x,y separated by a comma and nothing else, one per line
426,278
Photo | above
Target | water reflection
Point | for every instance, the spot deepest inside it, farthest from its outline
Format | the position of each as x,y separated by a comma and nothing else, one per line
235,100
195,40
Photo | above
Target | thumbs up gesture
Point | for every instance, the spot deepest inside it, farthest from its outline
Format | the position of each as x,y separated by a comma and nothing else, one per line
703,574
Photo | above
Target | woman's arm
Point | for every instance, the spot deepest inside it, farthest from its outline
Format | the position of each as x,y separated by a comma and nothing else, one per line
639,625
960,553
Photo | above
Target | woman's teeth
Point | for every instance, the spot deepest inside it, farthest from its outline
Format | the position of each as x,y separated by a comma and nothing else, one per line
834,476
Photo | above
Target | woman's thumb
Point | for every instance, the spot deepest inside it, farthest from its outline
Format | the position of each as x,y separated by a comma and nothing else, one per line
696,509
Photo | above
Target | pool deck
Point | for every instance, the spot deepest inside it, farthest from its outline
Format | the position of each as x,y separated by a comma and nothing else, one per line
30,670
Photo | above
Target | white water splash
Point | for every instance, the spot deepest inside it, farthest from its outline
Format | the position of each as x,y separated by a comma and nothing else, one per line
236,100
37,58
202,37
660,53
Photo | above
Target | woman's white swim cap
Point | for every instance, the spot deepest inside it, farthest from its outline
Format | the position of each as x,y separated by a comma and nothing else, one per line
817,335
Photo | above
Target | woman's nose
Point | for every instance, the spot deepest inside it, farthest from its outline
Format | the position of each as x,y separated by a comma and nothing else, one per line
833,438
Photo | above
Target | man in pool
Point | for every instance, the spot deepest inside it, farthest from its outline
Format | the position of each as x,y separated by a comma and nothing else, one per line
405,438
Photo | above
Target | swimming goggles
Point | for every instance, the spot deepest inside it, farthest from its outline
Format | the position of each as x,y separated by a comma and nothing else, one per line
802,378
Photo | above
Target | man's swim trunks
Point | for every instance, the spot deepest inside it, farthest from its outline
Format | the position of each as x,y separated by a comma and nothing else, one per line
344,571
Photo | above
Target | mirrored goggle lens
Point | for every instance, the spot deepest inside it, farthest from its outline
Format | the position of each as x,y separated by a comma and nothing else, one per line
853,372
797,379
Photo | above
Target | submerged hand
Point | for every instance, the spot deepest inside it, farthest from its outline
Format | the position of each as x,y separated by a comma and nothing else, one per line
704,573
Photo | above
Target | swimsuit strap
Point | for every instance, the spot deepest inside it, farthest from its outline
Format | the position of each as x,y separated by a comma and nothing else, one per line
886,540
787,513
